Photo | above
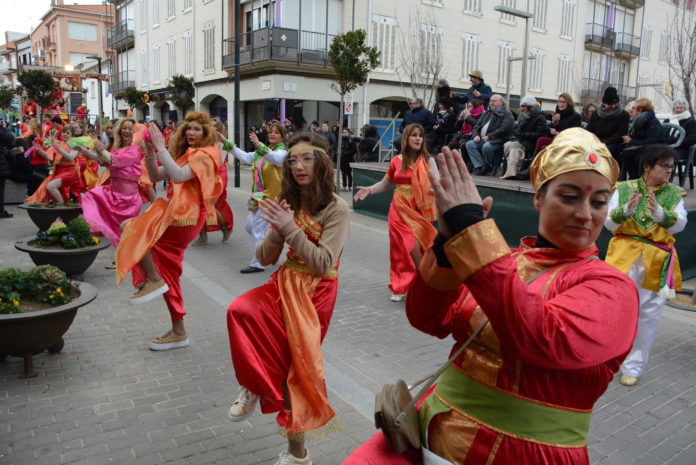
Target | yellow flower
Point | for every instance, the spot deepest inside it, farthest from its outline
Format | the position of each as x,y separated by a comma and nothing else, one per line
95,239
15,302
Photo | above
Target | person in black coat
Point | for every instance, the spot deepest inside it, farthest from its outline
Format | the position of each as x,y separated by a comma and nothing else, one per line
349,147
6,143
565,116
531,124
645,129
368,146
686,121
610,122
445,127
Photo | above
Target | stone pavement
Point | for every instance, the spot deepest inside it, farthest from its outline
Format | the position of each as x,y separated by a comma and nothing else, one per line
107,399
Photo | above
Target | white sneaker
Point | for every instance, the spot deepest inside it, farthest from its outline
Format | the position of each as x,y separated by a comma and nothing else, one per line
397,297
286,458
243,406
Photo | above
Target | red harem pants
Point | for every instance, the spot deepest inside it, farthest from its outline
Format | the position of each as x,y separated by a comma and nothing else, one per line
168,255
259,343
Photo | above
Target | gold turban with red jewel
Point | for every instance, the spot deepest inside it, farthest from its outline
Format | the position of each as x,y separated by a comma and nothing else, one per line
573,150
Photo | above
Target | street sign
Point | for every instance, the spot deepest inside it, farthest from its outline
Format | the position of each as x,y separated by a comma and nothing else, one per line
348,104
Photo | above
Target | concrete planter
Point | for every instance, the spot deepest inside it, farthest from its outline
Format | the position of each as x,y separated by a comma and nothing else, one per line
44,216
26,334
73,262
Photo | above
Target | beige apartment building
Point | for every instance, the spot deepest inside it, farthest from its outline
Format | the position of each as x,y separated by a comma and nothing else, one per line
578,46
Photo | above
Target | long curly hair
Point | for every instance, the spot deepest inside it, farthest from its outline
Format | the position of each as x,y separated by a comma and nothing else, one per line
117,144
178,144
410,156
319,194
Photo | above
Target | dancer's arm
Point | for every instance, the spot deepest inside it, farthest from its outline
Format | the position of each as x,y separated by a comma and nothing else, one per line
40,150
175,172
67,155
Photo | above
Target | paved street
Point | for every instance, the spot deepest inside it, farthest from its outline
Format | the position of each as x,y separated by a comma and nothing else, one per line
107,399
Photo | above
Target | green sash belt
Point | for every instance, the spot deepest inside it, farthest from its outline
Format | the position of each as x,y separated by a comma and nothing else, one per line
506,413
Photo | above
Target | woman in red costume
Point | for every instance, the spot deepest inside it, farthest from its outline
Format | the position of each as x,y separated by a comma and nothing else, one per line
225,218
412,210
153,244
557,322
276,329
64,180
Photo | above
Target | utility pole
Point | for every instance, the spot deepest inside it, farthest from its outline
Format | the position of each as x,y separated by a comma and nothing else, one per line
101,101
237,100
525,53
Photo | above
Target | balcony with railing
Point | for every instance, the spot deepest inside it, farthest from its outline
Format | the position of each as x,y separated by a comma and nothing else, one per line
593,90
122,81
627,45
634,4
8,67
121,35
279,44
599,37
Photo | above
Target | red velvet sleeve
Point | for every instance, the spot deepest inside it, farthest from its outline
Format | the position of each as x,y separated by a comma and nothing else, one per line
431,310
590,314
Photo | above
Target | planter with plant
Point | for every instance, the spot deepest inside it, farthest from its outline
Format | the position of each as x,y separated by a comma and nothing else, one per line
44,214
72,247
36,309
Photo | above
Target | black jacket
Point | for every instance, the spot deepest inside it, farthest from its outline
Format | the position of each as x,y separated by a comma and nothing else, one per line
420,115
609,130
500,129
368,141
569,119
689,125
6,141
445,123
349,147
646,129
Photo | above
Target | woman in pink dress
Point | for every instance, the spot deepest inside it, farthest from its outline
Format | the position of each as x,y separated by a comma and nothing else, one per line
107,206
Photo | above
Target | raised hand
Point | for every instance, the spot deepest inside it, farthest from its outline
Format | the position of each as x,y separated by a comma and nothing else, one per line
630,207
156,136
652,202
254,139
275,214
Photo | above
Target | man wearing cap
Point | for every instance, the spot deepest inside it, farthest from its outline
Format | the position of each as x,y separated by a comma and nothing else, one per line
610,122
478,89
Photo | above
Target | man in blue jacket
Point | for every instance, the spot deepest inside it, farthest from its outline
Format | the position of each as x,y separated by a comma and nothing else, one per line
478,89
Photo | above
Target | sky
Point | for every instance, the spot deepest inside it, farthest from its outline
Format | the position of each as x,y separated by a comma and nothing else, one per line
22,15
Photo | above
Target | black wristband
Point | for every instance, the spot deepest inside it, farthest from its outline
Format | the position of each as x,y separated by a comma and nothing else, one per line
462,216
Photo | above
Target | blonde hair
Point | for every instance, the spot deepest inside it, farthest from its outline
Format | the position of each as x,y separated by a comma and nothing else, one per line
117,131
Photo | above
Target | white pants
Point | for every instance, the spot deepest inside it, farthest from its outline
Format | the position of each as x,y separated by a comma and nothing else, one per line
651,307
257,227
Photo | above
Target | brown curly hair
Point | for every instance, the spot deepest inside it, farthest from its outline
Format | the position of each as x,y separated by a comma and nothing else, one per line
178,144
319,194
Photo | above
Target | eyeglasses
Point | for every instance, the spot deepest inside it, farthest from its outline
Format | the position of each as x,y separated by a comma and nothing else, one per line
667,167
306,160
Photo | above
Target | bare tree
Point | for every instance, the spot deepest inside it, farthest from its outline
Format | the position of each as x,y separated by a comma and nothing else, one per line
682,51
421,56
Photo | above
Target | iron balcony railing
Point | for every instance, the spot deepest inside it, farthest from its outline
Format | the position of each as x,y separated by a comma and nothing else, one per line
593,90
635,4
122,81
598,35
627,44
121,34
279,44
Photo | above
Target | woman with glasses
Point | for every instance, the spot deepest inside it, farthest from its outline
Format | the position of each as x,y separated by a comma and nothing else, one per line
412,209
276,329
644,215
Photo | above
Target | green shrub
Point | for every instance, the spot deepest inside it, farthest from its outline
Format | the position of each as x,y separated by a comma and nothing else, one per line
45,283
74,235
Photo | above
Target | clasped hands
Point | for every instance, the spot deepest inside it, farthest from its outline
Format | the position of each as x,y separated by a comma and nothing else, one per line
453,186
658,213
278,214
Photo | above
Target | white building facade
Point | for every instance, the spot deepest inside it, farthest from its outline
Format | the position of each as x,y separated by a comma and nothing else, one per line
579,47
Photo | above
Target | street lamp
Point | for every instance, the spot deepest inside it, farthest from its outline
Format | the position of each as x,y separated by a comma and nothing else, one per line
99,70
69,68
527,16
